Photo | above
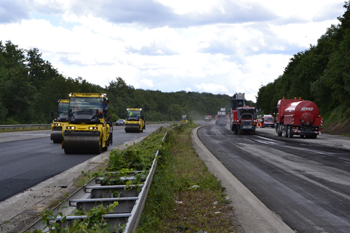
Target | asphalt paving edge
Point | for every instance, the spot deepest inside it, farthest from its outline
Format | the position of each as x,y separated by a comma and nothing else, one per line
250,214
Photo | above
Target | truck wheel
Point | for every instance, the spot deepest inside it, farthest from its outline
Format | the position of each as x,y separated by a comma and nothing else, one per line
289,132
285,131
314,136
236,130
278,130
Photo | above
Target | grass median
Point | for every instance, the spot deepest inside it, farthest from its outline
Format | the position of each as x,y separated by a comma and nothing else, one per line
185,196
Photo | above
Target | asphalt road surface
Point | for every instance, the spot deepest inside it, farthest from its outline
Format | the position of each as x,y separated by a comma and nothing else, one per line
27,158
304,181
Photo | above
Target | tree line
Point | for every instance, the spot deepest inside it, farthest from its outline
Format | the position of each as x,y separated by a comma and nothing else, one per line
30,88
320,74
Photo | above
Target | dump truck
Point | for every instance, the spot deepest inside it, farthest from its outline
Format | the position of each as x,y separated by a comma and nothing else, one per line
243,118
220,118
298,117
135,121
57,126
89,129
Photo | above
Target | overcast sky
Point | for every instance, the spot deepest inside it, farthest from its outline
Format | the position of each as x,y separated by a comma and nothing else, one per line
216,46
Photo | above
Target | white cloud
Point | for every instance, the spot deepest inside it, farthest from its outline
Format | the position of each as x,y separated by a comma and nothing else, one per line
147,82
210,87
204,46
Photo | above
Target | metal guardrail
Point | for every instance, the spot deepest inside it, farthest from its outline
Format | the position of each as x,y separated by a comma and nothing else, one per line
24,126
45,126
130,202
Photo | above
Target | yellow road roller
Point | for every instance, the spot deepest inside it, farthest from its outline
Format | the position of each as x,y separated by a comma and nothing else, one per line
57,126
135,121
89,129
184,119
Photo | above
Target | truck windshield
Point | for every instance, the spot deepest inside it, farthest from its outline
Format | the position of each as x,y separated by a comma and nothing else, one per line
85,103
268,119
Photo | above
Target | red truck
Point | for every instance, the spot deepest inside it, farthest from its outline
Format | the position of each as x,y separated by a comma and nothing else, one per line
243,117
298,117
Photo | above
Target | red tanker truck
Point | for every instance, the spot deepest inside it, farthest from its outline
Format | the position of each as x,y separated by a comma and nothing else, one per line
298,117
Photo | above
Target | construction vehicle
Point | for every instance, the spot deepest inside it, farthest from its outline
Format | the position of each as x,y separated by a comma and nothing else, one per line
298,117
268,121
243,118
89,129
220,118
207,118
184,119
57,126
135,121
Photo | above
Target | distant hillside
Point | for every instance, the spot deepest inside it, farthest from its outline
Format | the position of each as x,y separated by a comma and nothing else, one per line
320,74
30,88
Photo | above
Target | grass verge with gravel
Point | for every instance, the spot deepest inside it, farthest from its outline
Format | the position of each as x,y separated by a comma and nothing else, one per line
185,196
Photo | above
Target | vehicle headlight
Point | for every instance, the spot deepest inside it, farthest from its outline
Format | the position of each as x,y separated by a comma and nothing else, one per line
70,127
93,127
57,124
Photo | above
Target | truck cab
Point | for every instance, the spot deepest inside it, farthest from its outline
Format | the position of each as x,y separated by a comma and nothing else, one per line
243,117
268,121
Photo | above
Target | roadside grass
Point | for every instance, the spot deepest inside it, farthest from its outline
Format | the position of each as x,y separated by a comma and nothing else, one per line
184,195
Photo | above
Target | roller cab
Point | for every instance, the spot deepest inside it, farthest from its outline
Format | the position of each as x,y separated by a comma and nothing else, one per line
58,124
135,121
88,130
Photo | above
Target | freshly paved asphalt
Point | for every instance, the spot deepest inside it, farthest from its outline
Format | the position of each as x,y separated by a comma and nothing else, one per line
304,181
27,158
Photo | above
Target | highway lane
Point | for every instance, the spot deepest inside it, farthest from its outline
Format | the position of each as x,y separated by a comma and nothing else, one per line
25,162
305,182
